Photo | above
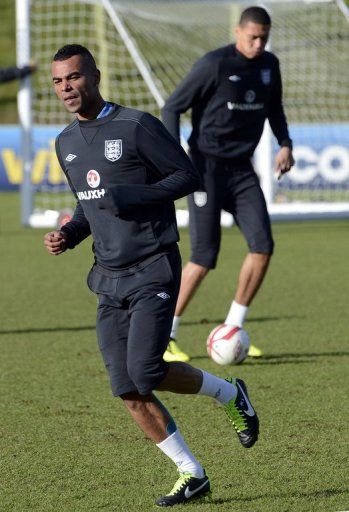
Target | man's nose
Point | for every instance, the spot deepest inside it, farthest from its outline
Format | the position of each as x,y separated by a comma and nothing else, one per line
66,85
260,43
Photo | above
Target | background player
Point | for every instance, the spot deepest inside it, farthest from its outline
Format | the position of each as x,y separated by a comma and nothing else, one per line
125,171
231,91
14,72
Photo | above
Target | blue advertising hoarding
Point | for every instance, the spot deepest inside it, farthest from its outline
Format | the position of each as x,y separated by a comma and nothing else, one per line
321,153
46,169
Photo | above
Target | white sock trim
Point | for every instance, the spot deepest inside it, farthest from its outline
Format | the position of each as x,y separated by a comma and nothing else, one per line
178,451
175,324
236,315
217,388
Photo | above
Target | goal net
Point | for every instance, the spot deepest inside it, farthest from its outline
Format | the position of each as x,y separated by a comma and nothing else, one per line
144,49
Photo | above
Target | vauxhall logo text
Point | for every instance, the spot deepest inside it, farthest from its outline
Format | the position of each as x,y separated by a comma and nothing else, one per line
91,194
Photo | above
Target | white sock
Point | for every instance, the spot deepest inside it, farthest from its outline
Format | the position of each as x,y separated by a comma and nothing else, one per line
237,314
175,325
177,450
217,388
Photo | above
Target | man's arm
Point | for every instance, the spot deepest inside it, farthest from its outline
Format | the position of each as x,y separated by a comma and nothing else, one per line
276,114
78,228
8,74
70,235
165,158
194,88
284,159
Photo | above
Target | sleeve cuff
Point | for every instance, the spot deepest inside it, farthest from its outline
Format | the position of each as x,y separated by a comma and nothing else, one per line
286,143
69,238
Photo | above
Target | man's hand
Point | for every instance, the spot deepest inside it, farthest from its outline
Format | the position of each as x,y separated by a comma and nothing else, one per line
284,161
55,242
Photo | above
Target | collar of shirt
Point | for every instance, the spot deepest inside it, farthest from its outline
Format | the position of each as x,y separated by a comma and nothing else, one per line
244,59
106,110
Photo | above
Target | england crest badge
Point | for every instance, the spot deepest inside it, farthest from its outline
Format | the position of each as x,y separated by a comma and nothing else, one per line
266,76
200,198
113,150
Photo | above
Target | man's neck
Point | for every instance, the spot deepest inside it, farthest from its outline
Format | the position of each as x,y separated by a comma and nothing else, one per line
93,111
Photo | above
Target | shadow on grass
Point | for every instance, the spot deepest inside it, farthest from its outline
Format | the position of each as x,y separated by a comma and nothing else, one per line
48,329
288,358
260,319
326,493
92,327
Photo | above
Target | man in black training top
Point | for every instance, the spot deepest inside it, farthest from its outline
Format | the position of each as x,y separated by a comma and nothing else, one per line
125,170
231,91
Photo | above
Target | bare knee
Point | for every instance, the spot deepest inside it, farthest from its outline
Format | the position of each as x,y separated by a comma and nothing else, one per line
260,260
195,270
134,401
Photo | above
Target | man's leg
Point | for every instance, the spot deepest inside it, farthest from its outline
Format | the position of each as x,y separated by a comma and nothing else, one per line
192,276
132,338
251,276
152,295
252,273
156,422
250,212
183,378
205,235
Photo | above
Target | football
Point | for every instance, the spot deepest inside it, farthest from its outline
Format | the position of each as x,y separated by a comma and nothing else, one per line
227,344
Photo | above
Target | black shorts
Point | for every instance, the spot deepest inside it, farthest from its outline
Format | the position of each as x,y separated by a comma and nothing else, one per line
134,319
235,189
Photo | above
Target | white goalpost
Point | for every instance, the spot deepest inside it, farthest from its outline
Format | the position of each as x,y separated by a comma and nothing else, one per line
145,47
24,108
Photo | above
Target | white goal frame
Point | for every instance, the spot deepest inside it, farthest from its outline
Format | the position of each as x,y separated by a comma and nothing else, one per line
263,155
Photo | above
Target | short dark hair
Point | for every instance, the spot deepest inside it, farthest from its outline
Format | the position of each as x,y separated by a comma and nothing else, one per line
69,50
255,14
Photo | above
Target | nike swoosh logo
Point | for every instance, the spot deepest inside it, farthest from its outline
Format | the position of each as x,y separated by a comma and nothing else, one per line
249,411
188,493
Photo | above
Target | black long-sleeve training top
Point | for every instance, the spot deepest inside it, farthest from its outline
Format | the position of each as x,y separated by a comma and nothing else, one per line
125,170
230,97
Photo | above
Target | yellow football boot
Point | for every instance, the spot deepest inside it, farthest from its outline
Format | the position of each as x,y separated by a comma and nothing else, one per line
174,353
254,351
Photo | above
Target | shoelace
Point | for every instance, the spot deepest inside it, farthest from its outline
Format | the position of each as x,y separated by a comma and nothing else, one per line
239,423
182,480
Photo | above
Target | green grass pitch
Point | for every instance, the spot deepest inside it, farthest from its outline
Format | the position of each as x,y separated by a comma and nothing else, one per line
68,446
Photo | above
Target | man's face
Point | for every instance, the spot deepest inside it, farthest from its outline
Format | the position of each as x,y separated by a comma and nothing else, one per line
76,85
251,39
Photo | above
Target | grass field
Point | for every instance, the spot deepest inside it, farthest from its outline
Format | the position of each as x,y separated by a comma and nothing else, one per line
67,446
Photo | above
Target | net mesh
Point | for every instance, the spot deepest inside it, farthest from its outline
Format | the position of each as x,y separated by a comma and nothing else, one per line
309,38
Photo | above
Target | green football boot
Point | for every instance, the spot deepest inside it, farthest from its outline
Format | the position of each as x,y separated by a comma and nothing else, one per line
187,487
242,415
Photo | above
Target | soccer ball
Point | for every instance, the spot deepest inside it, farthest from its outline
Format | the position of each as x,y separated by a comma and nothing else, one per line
228,345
